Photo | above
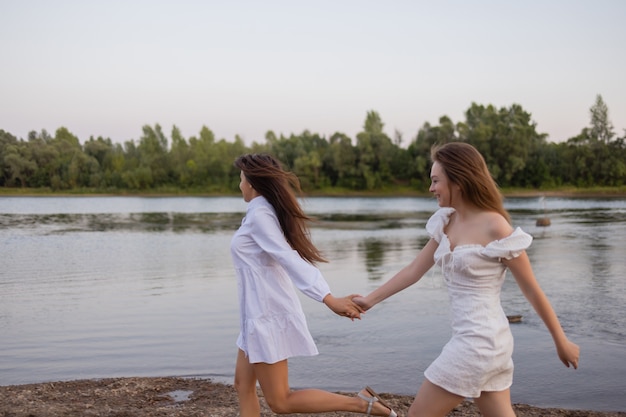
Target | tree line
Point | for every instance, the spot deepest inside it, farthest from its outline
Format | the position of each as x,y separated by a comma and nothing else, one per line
517,156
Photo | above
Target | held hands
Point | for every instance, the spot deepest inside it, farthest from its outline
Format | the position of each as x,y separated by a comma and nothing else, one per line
344,306
361,302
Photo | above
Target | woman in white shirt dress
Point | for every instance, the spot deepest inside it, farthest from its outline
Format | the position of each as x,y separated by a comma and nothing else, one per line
473,242
272,252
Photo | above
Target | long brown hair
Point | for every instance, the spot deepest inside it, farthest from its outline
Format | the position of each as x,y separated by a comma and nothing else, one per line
466,167
279,187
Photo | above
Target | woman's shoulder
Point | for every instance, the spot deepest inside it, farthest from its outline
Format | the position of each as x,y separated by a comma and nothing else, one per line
506,241
260,213
259,205
498,226
509,243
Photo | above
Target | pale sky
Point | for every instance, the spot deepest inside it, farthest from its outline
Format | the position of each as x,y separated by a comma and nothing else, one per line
107,68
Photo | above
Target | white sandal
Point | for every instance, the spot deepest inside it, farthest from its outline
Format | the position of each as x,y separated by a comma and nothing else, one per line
372,399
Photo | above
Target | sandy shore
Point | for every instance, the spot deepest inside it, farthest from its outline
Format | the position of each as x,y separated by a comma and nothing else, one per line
178,397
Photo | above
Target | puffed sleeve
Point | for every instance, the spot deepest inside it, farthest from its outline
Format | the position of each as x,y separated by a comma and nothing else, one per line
437,222
267,233
509,247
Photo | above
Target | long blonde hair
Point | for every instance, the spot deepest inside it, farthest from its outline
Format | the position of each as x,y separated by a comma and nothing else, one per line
466,167
268,178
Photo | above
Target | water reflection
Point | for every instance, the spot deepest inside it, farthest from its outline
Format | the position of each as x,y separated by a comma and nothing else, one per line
182,222
103,222
374,252
595,216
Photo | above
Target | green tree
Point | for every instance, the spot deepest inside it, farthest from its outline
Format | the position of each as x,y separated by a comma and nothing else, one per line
307,164
67,164
6,140
18,164
225,174
109,159
419,150
339,162
46,157
154,165
505,137
601,127
375,152
181,159
203,163
595,158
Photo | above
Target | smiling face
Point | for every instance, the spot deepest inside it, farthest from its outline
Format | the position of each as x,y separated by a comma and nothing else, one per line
247,191
440,185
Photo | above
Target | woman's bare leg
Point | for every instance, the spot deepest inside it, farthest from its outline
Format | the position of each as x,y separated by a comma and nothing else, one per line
433,401
495,404
245,385
274,381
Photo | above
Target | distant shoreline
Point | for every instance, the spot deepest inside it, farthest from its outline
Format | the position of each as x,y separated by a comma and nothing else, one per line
568,192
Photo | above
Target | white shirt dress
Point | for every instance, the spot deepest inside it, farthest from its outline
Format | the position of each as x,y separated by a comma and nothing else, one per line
272,324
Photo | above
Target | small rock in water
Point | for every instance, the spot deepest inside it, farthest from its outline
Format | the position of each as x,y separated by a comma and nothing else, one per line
543,221
514,319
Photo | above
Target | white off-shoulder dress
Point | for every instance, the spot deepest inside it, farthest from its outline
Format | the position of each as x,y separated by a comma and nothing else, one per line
272,324
478,356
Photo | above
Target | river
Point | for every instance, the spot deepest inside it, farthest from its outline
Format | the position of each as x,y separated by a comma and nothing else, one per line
94,287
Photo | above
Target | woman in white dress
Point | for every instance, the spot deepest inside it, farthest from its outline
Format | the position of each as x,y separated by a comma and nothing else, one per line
472,240
272,252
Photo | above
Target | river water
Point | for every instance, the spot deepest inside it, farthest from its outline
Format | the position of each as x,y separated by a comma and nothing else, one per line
94,287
